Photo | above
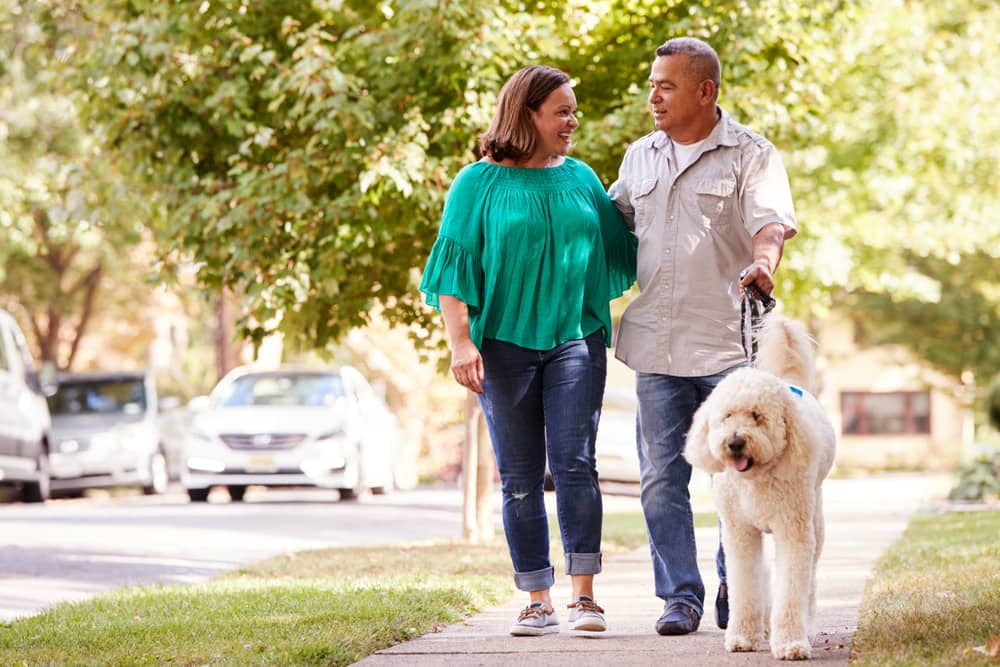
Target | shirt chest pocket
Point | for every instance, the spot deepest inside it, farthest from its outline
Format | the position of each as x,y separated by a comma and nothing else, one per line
643,201
717,201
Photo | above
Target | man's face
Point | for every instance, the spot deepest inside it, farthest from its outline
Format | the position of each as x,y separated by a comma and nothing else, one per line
674,95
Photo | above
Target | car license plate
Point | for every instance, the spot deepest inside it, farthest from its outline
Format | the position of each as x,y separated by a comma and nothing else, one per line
260,464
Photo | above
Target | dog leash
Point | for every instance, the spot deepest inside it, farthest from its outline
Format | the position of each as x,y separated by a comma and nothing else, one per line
753,308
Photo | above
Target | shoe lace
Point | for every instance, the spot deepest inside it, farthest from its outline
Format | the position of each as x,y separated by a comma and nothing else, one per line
585,605
533,611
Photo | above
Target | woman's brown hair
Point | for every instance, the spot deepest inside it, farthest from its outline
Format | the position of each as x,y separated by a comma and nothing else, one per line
511,135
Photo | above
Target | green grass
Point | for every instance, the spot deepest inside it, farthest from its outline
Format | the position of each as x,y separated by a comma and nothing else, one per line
323,607
935,596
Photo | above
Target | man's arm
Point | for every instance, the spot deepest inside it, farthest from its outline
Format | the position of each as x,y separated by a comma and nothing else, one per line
768,245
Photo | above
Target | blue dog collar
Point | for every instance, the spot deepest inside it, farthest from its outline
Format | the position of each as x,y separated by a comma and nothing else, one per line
799,391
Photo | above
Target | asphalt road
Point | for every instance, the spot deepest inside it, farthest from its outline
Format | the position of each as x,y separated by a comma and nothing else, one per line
69,550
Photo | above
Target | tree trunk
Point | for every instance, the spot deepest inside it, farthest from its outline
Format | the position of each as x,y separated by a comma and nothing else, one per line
225,351
477,476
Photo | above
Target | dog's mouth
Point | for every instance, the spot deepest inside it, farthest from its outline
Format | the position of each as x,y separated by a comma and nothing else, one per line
741,463
736,448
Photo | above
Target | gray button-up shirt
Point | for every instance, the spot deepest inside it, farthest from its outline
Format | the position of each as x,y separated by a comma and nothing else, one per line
695,229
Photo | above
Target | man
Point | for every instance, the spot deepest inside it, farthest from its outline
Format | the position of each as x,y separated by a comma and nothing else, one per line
711,206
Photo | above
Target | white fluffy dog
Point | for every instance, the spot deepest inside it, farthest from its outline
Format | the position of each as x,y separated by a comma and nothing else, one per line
771,443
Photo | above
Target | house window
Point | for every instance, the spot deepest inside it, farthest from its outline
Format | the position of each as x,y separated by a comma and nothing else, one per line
891,413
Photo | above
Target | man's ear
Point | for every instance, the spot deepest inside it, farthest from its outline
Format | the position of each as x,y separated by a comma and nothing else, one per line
708,92
696,449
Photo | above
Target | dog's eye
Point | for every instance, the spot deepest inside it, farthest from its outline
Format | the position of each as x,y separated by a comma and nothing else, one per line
728,415
757,417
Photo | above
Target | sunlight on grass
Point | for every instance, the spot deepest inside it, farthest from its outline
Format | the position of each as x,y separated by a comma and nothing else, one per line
935,597
321,607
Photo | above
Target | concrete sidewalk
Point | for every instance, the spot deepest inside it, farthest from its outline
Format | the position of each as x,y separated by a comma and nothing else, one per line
863,517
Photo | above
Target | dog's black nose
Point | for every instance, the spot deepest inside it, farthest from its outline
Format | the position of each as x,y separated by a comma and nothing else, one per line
736,444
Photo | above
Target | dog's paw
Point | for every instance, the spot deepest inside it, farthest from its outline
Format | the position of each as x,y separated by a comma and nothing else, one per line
738,643
793,650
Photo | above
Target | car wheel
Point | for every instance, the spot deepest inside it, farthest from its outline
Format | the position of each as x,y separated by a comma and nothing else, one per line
157,475
198,495
236,492
38,492
388,487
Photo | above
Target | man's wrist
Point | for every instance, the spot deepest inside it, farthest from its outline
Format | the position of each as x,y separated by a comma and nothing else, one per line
765,262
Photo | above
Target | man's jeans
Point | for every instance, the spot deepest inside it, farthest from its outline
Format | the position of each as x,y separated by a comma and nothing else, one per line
550,400
666,407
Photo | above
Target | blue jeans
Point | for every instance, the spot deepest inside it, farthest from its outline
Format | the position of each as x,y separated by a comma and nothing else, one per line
538,402
666,408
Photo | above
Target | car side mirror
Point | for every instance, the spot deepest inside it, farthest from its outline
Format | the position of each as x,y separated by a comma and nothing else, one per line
48,380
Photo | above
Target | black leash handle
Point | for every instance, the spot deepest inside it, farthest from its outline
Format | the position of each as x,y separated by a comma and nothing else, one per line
755,305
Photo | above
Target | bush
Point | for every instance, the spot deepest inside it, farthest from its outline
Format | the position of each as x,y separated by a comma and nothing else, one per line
979,479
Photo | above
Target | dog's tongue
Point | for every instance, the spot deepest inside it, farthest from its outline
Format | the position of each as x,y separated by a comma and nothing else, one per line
741,463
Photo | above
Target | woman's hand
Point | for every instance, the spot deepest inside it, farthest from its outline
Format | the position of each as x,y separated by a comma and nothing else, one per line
467,365
466,362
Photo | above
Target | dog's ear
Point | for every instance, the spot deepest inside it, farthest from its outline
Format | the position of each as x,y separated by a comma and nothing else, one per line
696,449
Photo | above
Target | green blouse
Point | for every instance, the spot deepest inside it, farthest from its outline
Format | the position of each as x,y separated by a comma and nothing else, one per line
536,254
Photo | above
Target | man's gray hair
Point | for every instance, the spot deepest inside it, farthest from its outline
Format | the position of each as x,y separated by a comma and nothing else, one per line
704,61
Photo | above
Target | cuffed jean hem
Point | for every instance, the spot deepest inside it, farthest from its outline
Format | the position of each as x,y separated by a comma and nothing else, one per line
583,563
539,580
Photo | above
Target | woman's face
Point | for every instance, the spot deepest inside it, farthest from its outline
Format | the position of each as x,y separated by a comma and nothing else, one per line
555,122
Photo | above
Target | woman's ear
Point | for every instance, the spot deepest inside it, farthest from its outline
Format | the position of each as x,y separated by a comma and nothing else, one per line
696,449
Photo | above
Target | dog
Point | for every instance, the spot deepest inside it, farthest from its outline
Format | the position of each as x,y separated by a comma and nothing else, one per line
771,444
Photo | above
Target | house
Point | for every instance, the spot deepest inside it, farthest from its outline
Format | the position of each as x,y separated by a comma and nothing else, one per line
890,411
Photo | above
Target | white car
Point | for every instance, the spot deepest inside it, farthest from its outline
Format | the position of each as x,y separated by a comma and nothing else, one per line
105,432
290,427
24,417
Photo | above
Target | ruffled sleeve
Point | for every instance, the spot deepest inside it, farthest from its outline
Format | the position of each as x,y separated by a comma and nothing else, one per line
455,266
451,269
620,245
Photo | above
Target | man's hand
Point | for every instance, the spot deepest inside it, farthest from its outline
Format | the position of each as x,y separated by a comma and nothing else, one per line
759,275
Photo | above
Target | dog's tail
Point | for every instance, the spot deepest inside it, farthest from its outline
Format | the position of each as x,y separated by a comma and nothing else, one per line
785,349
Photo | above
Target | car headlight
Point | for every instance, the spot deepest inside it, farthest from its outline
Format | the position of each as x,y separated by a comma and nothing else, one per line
204,464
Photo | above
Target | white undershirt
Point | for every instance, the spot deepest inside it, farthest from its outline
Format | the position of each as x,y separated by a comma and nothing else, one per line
684,153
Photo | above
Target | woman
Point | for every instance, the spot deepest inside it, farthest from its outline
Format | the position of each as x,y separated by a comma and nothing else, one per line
529,253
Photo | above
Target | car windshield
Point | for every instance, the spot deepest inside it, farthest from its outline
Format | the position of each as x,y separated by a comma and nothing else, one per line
73,397
312,390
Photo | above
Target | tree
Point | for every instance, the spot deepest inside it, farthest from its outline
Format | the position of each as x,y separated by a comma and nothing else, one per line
901,180
66,216
303,152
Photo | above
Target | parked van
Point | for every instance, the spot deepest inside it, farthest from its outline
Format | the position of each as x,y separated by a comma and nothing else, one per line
24,417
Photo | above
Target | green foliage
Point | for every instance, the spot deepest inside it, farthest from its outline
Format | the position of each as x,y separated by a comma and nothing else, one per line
901,182
68,219
302,150
978,479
